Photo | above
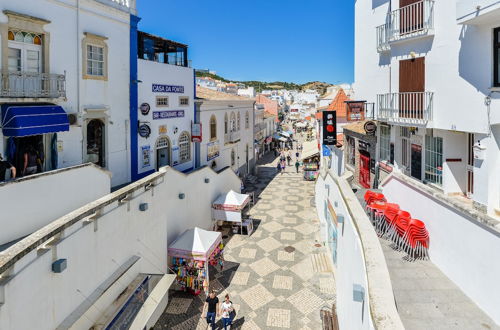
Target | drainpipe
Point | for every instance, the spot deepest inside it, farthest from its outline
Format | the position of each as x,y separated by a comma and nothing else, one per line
79,65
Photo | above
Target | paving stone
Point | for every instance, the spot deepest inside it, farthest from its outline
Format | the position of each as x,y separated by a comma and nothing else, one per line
264,266
268,244
283,282
279,318
247,253
287,236
285,256
305,301
256,296
240,278
178,305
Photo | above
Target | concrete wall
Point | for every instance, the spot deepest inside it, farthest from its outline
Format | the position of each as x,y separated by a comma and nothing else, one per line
66,28
33,202
33,297
150,73
360,261
464,249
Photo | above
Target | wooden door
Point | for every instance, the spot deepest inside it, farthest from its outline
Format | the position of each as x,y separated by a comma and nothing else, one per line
470,165
411,18
411,88
364,170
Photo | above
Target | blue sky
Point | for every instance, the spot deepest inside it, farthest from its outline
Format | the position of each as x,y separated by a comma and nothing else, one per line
268,40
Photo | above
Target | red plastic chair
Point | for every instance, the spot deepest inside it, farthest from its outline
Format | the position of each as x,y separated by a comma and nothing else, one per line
390,215
374,197
376,210
399,228
416,238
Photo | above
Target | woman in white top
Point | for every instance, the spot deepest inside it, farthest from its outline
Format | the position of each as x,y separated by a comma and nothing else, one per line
227,310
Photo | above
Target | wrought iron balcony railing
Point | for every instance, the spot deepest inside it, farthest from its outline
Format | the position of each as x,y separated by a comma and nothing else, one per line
32,85
232,137
406,22
413,108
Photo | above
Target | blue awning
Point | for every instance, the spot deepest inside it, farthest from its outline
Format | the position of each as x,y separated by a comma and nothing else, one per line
25,120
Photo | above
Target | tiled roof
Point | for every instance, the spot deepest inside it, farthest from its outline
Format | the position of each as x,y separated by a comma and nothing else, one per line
208,94
338,104
357,126
319,115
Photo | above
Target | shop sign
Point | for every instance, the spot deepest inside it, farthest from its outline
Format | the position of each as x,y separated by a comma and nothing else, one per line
326,151
144,130
162,129
355,110
363,145
146,156
168,114
145,108
370,127
158,88
329,128
212,150
196,133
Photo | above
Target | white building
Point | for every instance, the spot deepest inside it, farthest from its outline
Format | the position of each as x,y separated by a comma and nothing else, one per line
206,83
165,106
66,58
435,79
227,130
248,92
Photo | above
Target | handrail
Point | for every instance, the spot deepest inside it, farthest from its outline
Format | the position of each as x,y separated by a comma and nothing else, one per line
32,84
411,107
416,18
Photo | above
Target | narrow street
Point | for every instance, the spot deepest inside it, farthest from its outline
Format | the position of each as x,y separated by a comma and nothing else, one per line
279,277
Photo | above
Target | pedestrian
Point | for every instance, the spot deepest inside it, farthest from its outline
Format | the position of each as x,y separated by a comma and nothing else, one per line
297,165
297,154
4,166
212,307
289,158
30,161
278,167
227,312
283,165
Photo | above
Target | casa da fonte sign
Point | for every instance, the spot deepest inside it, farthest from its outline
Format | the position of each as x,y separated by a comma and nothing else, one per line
168,114
329,128
158,88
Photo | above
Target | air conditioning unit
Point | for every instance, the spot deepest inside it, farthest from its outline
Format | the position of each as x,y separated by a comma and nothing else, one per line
72,118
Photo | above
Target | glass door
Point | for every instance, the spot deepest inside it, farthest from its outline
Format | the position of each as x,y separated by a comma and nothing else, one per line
32,67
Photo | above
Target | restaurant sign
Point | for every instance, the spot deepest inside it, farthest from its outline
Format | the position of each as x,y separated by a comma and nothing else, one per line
158,88
168,114
355,110
329,128
196,132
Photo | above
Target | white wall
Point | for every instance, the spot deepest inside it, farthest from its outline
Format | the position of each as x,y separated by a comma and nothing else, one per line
464,250
35,201
35,298
150,73
111,95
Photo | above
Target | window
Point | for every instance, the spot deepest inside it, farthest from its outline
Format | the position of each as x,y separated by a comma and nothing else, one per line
184,147
434,159
238,121
496,57
24,53
162,101
351,151
404,132
247,120
233,122
385,143
233,157
95,53
213,128
225,124
184,101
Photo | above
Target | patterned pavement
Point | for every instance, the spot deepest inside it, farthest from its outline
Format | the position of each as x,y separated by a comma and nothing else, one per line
279,277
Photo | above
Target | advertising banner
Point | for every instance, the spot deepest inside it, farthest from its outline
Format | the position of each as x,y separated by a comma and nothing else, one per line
168,114
196,135
146,156
212,150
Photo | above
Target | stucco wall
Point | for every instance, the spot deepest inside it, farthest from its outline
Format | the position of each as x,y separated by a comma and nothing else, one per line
35,201
33,297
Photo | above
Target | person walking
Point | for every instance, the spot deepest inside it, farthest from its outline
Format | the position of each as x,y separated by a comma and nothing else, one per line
289,158
278,167
297,165
283,166
227,312
4,166
212,307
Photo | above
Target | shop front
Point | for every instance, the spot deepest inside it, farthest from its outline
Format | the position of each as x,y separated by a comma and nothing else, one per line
30,136
310,160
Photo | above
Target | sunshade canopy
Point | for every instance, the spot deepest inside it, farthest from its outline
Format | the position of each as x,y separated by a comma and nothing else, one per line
26,120
310,149
231,201
195,243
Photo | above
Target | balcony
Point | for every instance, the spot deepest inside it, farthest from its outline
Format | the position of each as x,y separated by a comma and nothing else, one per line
478,12
32,85
124,5
408,22
232,137
412,108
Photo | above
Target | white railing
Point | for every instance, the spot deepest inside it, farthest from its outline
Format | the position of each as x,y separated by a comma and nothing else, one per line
126,5
383,37
32,84
234,136
405,108
412,20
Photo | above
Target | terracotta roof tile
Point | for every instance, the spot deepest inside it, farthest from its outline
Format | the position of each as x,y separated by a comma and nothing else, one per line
338,104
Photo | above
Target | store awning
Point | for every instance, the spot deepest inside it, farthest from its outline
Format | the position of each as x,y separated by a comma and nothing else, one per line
25,120
310,149
195,243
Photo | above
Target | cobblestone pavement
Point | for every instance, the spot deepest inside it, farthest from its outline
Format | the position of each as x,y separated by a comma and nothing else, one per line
279,277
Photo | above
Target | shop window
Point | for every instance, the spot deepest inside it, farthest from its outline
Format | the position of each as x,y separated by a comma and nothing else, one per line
385,143
184,147
238,121
213,128
496,57
162,101
95,54
247,120
434,159
233,122
95,142
184,101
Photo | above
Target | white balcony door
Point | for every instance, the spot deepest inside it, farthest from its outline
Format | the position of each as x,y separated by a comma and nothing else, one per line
26,58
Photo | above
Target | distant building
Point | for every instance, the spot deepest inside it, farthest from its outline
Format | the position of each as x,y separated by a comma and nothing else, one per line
248,92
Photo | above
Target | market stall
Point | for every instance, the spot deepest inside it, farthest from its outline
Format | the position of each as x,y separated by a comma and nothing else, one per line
310,160
229,207
189,256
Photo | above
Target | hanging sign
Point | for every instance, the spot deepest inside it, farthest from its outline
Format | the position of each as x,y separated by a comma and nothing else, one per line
146,156
370,127
355,110
158,88
196,133
168,114
329,128
144,130
145,108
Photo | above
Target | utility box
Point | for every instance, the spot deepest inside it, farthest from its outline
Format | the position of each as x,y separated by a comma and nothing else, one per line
59,265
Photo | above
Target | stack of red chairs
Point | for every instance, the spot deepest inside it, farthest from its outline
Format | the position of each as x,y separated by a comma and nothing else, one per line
416,240
371,196
399,227
390,216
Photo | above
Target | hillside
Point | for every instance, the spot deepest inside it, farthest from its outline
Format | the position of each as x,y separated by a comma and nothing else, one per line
262,85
